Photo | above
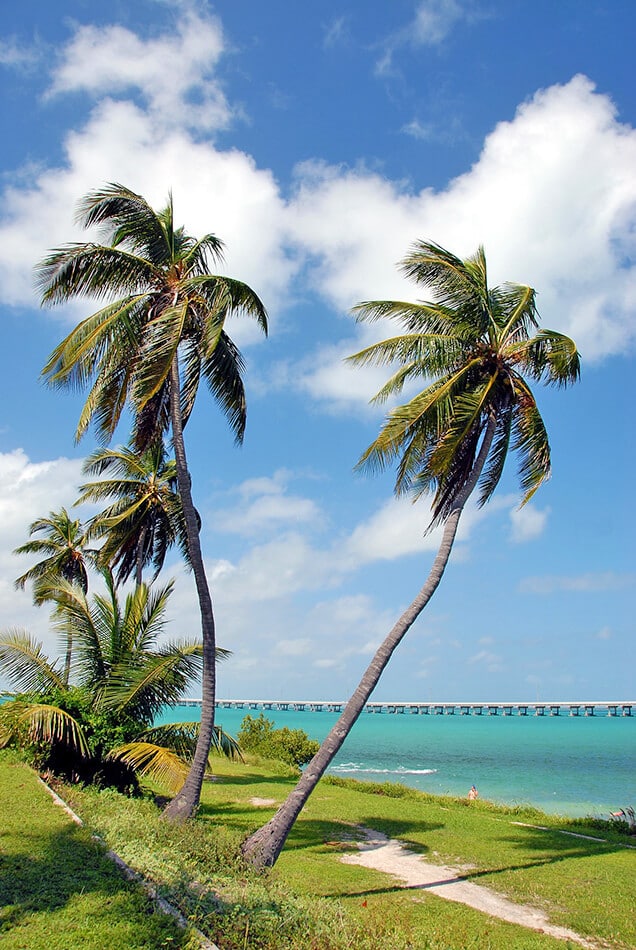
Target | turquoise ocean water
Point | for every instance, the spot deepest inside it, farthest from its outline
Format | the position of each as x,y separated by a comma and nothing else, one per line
561,764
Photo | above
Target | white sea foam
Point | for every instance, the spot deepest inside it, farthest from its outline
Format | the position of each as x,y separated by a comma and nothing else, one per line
356,767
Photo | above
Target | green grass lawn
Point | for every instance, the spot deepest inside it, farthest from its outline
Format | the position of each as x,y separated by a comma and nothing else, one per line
57,890
311,900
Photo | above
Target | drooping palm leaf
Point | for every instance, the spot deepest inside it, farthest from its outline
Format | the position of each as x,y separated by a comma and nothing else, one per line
25,665
41,722
157,763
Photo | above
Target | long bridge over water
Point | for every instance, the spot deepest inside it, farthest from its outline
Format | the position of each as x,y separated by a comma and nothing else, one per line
563,708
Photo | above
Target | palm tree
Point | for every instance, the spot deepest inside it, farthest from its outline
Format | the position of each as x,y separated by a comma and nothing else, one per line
146,519
147,349
473,346
64,546
121,680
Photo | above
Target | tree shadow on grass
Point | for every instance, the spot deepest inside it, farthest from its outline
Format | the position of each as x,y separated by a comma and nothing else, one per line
254,778
328,834
49,871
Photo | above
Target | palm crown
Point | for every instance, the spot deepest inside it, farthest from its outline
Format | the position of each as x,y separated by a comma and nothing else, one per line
145,519
475,346
63,544
166,300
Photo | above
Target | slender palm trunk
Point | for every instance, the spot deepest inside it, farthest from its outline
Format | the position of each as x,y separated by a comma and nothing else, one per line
263,847
139,560
185,803
69,654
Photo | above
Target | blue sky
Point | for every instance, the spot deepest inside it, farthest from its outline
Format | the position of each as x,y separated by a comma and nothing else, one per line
319,141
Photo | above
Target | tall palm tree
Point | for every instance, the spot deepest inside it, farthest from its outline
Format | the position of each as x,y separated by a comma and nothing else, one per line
121,680
64,544
146,518
147,349
474,346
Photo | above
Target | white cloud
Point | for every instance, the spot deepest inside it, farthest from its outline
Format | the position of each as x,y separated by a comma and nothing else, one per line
174,72
264,505
552,198
29,491
527,523
15,55
434,20
432,24
491,661
219,191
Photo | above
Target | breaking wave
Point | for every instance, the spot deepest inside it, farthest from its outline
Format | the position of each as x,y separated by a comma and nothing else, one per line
356,767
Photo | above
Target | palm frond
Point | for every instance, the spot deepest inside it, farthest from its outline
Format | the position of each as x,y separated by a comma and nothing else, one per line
530,441
24,663
223,369
42,723
127,218
157,763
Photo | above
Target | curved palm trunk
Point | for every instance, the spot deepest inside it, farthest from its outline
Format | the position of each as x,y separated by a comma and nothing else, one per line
185,803
264,846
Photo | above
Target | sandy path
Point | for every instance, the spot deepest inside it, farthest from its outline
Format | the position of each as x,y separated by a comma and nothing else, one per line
383,854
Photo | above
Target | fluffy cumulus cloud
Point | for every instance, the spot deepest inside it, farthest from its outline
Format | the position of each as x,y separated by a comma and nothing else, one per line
552,198
139,132
174,74
263,505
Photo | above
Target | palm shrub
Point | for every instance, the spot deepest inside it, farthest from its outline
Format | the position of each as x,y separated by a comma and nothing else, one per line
99,728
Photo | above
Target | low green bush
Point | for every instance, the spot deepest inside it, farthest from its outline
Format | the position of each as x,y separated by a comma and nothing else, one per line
292,746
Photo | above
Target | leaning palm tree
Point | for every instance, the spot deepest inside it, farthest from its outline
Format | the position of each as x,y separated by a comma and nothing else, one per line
64,543
146,518
101,726
474,346
147,348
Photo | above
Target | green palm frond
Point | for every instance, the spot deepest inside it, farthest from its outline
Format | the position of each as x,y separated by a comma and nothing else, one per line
25,665
126,218
471,345
530,441
550,357
181,737
207,249
41,722
223,369
157,763
158,680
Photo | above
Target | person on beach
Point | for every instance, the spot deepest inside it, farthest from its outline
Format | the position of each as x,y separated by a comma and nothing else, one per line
473,794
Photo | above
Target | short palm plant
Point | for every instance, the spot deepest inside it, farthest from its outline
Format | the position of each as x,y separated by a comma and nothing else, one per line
100,728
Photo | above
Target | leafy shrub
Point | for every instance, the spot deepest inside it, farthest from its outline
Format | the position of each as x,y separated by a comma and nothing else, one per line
292,746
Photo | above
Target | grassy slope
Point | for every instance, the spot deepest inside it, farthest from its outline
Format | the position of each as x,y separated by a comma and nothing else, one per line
588,886
57,890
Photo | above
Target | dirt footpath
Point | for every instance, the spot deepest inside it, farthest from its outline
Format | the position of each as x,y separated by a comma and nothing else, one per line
383,854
